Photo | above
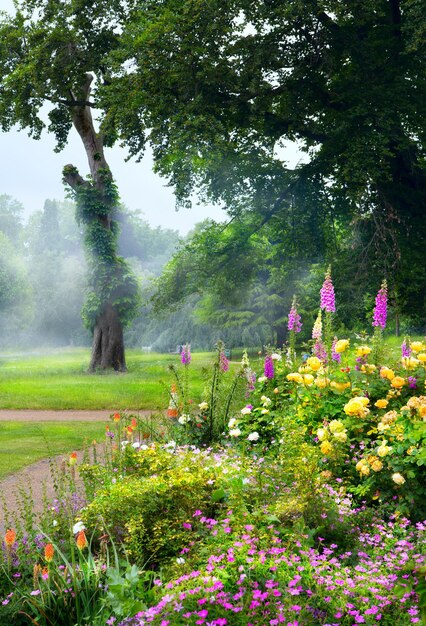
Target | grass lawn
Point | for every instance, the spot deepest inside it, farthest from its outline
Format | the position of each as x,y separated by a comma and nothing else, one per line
24,443
58,380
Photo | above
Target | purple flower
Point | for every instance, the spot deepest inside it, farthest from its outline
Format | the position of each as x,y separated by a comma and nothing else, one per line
223,362
186,355
294,319
412,382
381,308
405,349
320,351
269,367
328,302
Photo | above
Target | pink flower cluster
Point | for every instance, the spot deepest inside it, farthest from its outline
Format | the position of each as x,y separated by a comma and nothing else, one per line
294,319
381,308
328,302
186,355
268,369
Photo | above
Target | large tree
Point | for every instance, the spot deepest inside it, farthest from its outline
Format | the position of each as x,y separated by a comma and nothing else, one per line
53,59
219,86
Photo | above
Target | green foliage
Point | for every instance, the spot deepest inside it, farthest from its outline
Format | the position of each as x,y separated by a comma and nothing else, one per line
147,511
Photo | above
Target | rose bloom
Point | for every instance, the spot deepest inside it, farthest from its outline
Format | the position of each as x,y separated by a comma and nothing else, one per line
336,426
398,382
314,363
409,362
340,387
308,379
326,447
416,346
381,404
321,434
383,450
377,465
341,345
321,382
422,357
253,436
235,432
386,372
362,467
341,436
363,350
295,377
398,478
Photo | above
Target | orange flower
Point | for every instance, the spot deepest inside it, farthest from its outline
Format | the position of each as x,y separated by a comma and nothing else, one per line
73,458
129,430
134,422
81,540
107,428
49,552
10,538
116,417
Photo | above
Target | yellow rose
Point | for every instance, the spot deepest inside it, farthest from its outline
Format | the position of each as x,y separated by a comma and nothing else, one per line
308,379
383,450
362,467
314,363
416,346
336,426
409,362
363,351
398,382
341,345
295,377
386,372
422,357
321,382
422,410
341,436
381,404
339,386
377,465
326,447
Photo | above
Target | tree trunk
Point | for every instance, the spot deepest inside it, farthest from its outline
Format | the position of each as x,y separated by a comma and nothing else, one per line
108,343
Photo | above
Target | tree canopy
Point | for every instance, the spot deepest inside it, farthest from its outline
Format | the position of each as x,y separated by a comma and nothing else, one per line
218,87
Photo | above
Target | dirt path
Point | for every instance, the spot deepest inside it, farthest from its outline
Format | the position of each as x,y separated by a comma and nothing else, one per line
33,477
30,415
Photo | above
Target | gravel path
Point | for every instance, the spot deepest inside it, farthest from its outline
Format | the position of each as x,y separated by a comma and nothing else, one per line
33,477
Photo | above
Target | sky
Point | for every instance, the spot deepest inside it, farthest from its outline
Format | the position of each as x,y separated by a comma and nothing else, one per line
31,172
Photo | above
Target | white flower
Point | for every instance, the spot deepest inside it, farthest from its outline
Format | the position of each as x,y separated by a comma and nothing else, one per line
124,443
265,400
253,436
78,527
55,522
180,560
276,357
264,411
184,419
170,444
136,444
232,422
245,410
262,379
203,406
143,447
235,432
321,434
398,478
